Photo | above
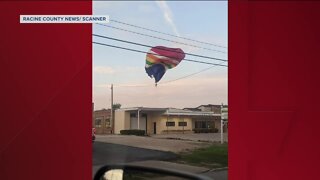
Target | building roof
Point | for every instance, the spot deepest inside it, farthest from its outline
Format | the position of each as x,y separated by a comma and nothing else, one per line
101,110
192,109
210,105
141,109
183,112
171,111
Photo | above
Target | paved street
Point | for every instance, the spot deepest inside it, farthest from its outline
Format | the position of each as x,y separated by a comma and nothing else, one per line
160,144
108,153
217,175
104,153
113,153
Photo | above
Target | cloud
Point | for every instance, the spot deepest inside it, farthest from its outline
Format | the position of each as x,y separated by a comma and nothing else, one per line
104,70
184,93
146,8
168,16
115,70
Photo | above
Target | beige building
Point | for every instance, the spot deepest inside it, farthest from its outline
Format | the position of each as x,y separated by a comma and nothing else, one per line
164,120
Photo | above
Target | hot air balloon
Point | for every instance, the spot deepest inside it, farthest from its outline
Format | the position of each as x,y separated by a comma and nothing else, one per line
159,59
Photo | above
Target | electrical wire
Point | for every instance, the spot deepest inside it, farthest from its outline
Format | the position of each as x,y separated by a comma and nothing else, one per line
173,80
183,77
119,22
139,44
155,37
134,50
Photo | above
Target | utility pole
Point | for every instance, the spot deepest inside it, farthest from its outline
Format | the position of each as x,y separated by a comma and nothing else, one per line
167,121
221,123
138,118
182,125
111,118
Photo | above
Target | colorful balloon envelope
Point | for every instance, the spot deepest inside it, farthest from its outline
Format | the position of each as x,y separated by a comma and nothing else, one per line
159,59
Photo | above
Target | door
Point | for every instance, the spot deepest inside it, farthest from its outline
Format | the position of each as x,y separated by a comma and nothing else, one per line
154,128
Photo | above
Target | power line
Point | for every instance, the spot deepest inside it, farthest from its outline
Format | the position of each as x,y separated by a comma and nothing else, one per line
183,77
155,37
134,50
139,44
133,85
167,34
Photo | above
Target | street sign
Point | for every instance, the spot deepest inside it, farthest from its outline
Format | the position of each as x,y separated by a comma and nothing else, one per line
224,113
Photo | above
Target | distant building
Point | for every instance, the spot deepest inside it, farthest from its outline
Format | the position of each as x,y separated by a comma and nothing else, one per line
210,107
165,120
216,109
101,121
192,109
92,114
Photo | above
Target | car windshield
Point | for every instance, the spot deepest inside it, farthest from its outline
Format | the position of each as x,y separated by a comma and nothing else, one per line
160,80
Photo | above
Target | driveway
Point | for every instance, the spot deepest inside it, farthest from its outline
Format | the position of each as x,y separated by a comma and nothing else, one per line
153,143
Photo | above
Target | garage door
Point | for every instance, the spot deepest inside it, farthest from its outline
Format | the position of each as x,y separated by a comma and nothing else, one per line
134,123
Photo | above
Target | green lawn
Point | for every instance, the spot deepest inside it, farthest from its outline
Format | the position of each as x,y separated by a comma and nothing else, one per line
214,156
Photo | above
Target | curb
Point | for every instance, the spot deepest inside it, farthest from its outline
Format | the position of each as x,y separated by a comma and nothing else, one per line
218,169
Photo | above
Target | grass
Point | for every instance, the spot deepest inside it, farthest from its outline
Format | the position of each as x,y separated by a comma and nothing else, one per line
214,156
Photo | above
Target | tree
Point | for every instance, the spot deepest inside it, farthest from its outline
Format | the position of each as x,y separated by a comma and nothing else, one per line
116,106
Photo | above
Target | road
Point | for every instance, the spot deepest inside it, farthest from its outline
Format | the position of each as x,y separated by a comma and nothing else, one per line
104,153
146,142
107,153
217,175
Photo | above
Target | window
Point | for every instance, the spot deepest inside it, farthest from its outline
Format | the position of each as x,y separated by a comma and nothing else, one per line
170,123
204,124
98,122
182,123
107,123
133,115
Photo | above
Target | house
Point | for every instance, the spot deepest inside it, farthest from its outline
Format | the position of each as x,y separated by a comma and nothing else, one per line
101,121
210,107
164,120
217,109
192,109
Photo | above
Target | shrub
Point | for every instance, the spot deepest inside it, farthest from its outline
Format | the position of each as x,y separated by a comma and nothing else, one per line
136,132
199,130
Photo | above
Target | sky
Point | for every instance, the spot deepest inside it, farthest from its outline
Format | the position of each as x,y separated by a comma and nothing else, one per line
199,20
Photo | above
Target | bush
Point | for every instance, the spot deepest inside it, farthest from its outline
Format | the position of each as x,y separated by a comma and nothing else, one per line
199,130
136,132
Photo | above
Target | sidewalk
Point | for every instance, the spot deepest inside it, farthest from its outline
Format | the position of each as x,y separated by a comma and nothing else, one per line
201,137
